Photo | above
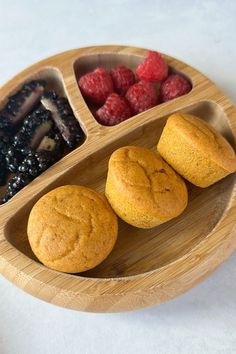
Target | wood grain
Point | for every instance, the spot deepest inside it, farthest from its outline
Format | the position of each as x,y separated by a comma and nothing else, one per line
147,266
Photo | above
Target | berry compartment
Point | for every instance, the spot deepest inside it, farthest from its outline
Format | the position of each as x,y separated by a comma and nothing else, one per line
37,142
88,63
169,241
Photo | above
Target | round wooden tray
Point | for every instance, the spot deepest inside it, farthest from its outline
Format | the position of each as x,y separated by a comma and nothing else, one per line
146,267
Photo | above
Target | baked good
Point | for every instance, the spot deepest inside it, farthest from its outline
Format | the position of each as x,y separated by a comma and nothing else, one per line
196,150
142,189
72,229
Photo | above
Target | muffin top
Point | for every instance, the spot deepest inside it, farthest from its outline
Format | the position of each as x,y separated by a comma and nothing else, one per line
205,138
147,181
72,229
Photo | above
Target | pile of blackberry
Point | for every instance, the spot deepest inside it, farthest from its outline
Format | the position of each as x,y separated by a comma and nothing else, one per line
64,118
35,143
27,136
23,101
32,166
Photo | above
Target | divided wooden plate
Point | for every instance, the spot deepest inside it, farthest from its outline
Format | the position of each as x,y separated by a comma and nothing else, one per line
146,267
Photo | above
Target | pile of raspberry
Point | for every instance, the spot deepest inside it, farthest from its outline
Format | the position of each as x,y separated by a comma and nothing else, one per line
121,94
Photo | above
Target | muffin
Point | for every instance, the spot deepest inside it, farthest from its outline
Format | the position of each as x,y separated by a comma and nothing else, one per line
196,150
72,229
142,189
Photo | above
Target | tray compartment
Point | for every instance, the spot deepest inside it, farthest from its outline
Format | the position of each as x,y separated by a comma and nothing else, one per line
169,241
109,60
54,80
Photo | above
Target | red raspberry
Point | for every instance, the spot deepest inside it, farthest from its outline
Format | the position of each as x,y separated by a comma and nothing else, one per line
114,111
100,70
153,68
96,86
174,86
122,78
142,96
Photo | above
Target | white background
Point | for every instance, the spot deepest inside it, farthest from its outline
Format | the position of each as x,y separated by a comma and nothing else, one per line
202,33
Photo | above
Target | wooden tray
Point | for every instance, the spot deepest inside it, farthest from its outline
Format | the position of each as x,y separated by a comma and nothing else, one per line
147,266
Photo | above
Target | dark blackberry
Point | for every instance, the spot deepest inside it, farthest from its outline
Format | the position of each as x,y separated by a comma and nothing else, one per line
64,118
5,124
36,126
20,104
13,160
5,199
4,144
49,151
5,141
3,170
19,181
36,163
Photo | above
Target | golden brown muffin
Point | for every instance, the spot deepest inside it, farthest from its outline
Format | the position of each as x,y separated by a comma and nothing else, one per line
72,229
142,189
196,150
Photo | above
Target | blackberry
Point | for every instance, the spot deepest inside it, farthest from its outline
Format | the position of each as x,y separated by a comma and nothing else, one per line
5,141
49,151
36,125
12,158
5,124
5,199
3,170
64,118
21,103
4,144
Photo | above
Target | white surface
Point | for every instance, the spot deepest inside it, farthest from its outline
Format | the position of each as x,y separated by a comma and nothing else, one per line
201,33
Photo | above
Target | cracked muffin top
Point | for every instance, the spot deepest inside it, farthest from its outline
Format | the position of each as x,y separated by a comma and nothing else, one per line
72,229
203,137
142,188
196,150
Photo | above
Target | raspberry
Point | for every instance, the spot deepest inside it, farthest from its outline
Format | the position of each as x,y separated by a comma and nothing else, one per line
122,78
114,111
96,86
174,86
142,96
153,68
100,70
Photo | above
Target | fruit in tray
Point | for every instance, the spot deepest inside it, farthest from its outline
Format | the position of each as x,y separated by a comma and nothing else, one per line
114,110
63,118
36,128
96,86
122,78
153,68
21,103
142,96
174,86
150,87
